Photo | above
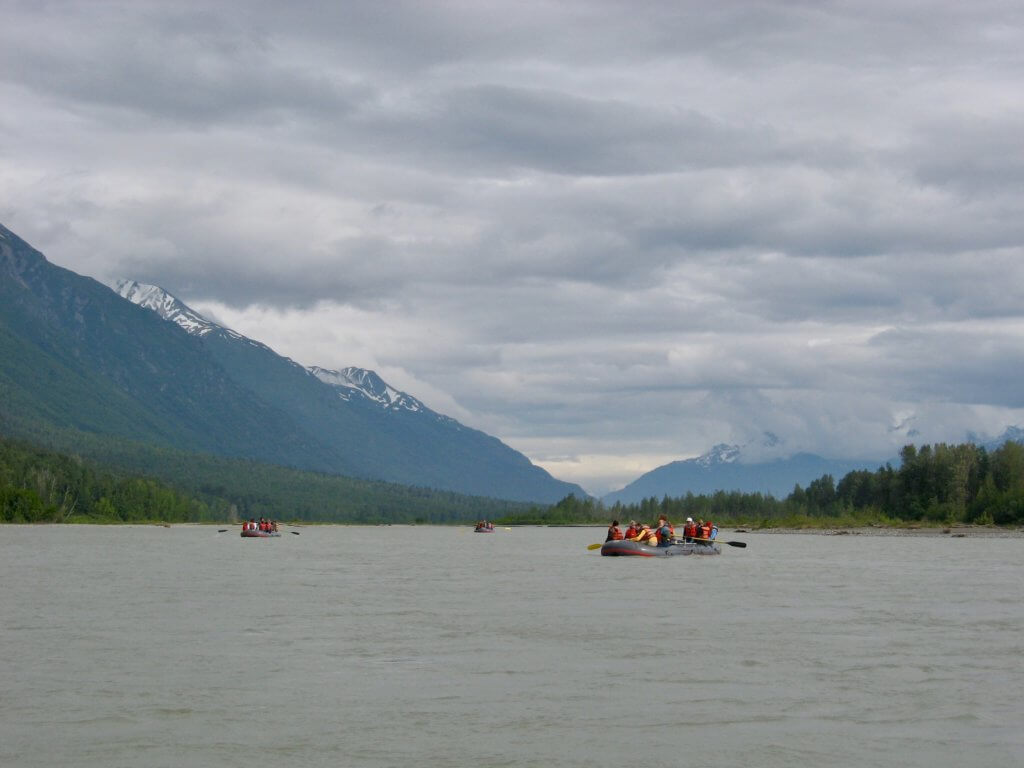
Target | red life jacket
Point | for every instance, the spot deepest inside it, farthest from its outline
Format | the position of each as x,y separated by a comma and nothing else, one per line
705,532
690,530
614,534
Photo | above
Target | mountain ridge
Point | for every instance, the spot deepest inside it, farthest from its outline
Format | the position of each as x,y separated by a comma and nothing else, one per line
721,469
165,374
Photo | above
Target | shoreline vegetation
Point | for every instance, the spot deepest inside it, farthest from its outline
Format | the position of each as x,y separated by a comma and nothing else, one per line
937,490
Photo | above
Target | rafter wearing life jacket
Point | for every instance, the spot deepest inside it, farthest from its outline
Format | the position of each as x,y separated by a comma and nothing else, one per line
614,533
689,530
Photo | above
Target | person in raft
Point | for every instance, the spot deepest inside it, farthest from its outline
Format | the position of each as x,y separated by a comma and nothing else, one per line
665,532
631,531
614,534
689,530
708,530
645,535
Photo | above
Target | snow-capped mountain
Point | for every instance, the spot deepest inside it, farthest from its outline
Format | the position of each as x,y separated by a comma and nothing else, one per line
722,469
164,304
355,382
350,382
367,427
719,454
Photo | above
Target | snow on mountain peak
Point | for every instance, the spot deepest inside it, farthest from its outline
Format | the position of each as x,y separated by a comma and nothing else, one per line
354,381
719,454
349,382
164,304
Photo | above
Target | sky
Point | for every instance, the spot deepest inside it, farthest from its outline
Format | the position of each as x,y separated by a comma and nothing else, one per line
611,234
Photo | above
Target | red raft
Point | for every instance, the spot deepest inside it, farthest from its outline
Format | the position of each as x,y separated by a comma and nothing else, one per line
260,534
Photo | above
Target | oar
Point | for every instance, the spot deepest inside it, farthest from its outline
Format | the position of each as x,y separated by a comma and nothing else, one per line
296,533
223,530
740,544
598,546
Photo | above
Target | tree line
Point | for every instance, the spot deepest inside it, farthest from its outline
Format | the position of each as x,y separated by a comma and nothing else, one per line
119,481
941,484
944,484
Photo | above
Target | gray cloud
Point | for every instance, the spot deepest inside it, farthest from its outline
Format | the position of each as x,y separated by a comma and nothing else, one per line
610,233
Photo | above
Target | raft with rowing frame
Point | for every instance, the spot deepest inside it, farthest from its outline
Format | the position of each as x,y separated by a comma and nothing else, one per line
625,547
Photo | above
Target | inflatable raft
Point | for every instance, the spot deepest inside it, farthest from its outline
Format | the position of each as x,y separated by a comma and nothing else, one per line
484,529
636,549
260,534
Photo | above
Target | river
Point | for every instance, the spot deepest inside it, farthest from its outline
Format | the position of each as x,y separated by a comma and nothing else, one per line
433,647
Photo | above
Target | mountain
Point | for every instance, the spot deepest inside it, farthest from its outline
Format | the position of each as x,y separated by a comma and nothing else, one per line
378,431
1013,433
77,358
721,469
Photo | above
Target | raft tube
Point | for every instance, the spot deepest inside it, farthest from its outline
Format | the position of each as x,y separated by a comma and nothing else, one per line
625,547
260,534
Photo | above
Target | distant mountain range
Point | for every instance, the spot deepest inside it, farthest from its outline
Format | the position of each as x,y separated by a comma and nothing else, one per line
722,469
136,364
77,356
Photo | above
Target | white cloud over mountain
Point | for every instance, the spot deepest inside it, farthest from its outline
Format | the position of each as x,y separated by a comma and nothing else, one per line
612,235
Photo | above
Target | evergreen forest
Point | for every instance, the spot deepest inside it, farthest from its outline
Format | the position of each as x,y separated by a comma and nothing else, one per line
935,485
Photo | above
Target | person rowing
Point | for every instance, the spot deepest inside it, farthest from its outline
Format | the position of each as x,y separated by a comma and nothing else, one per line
614,533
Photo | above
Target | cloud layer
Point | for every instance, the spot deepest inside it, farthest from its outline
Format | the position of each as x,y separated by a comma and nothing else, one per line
611,234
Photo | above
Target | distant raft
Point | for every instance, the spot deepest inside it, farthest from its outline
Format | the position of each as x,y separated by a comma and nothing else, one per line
484,529
260,534
627,548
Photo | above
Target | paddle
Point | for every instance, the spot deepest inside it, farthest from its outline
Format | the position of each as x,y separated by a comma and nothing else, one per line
596,546
223,530
296,533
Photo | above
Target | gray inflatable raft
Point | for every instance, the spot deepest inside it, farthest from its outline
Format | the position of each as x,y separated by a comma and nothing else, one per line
636,549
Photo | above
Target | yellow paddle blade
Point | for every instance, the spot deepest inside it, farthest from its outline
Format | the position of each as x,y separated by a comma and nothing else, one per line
596,546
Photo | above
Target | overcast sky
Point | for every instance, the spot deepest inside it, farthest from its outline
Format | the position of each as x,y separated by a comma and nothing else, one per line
611,234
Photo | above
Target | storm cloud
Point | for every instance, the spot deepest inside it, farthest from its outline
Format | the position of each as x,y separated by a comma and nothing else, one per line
611,234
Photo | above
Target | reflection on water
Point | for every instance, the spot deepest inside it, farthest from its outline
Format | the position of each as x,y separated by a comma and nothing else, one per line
385,646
